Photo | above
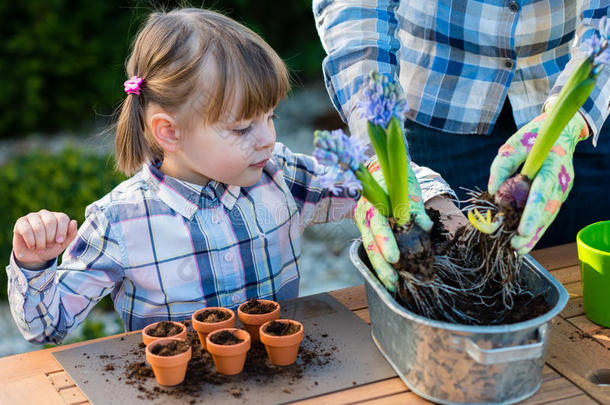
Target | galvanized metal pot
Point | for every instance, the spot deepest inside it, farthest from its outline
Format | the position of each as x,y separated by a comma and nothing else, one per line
459,364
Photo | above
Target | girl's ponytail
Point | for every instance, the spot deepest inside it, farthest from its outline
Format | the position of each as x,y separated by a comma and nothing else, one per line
132,147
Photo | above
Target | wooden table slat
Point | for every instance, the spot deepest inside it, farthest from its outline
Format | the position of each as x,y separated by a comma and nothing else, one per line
573,308
553,390
584,324
34,389
575,356
61,380
603,336
557,257
581,399
365,392
402,398
574,289
567,274
73,396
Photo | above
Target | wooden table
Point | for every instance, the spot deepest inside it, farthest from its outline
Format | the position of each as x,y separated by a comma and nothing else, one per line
577,347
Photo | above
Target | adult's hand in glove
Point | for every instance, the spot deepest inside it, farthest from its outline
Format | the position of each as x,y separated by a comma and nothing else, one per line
377,236
551,185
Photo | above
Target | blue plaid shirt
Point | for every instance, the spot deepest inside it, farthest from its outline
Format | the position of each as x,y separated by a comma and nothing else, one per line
458,60
164,248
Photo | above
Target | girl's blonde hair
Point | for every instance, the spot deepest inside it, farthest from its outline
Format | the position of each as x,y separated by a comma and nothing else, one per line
173,53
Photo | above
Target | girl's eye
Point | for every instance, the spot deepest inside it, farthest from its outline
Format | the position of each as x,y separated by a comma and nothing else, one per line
272,117
243,131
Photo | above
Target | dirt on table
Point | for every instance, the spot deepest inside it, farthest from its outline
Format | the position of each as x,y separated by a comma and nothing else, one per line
212,316
314,352
170,349
225,338
276,328
164,329
256,307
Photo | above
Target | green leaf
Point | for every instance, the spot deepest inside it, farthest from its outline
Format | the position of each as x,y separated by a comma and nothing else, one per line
398,186
554,124
372,191
378,139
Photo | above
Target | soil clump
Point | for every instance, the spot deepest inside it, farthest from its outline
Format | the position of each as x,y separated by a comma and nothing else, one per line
213,316
164,329
225,338
256,307
170,349
276,328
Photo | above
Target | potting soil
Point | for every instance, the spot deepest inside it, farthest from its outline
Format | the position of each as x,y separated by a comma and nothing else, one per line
168,349
212,316
164,329
276,328
256,307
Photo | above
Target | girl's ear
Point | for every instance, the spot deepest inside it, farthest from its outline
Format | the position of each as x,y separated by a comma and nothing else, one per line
163,127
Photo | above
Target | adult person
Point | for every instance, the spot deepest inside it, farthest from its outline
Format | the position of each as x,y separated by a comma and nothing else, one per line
473,72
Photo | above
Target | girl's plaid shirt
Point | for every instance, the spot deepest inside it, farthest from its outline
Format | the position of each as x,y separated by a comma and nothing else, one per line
164,248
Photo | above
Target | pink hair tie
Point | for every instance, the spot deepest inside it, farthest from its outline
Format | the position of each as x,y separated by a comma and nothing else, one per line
132,86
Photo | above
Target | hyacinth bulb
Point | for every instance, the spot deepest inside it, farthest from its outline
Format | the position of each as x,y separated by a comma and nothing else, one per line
513,192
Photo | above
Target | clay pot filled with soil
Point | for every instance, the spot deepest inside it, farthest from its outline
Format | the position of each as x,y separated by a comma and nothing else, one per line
169,358
228,348
254,313
207,320
163,329
282,339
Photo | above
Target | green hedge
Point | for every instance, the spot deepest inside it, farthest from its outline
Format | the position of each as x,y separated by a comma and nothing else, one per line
62,61
66,182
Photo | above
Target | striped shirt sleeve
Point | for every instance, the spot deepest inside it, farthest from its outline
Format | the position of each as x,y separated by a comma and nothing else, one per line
596,108
315,203
350,58
48,304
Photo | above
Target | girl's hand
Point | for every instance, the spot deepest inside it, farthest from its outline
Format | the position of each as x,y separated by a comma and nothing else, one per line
41,236
552,184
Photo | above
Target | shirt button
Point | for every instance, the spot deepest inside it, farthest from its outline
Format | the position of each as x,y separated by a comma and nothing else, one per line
509,63
228,257
236,299
513,6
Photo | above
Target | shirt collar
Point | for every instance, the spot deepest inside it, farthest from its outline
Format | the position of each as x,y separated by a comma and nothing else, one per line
186,198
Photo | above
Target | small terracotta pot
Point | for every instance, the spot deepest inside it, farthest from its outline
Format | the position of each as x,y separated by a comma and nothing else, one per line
229,359
147,339
205,328
282,350
252,322
168,370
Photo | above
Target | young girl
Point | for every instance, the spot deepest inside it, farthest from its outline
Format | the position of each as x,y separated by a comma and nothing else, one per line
214,213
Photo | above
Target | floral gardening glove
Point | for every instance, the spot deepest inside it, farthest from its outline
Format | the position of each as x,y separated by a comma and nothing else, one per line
377,236
551,185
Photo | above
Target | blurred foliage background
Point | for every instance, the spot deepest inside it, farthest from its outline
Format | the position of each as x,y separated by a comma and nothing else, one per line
62,61
62,70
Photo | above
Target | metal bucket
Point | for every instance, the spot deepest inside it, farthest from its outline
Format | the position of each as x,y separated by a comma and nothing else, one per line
459,364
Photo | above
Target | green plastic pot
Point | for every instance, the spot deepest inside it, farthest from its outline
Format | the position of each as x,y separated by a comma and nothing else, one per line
593,243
